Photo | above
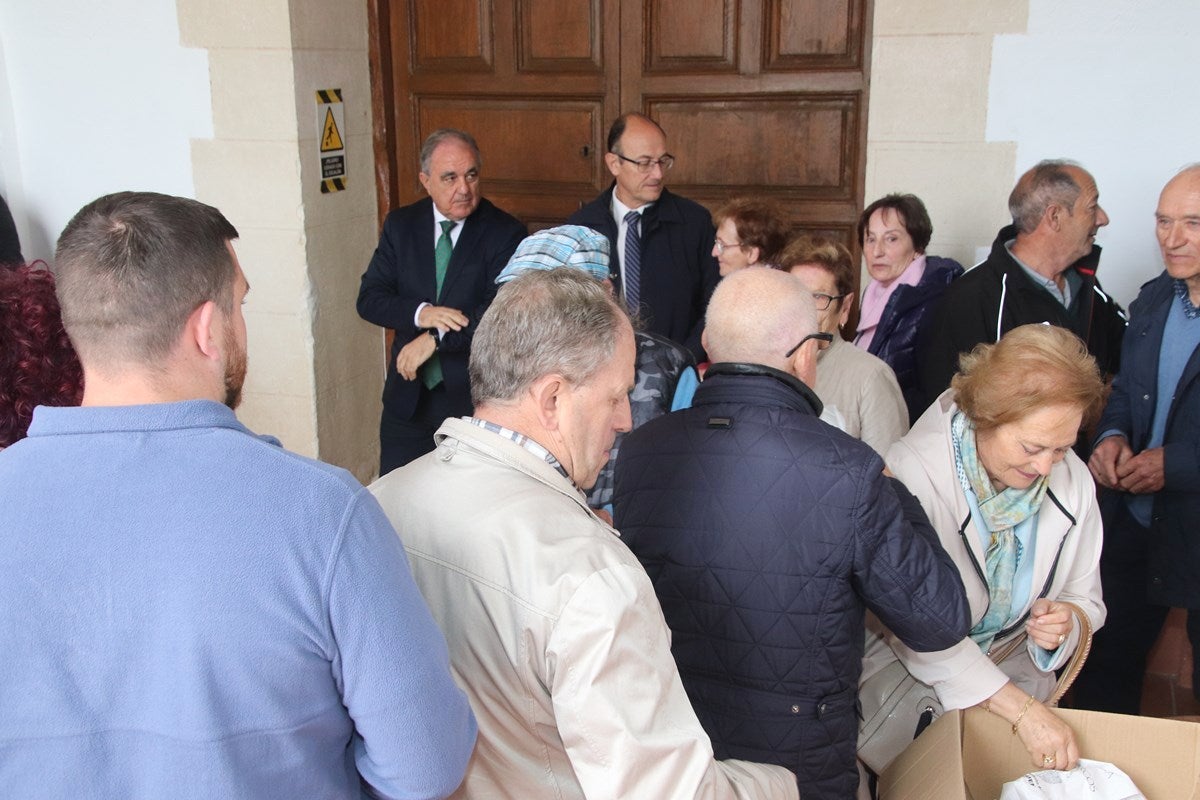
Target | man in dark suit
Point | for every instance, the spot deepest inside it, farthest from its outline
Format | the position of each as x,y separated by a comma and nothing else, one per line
430,280
662,243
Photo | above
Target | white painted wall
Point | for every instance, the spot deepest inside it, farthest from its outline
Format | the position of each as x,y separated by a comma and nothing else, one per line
1110,84
95,97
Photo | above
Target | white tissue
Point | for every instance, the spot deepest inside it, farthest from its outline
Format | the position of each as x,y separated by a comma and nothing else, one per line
1093,780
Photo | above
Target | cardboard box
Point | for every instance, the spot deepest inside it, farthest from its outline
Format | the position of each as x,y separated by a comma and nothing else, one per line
970,755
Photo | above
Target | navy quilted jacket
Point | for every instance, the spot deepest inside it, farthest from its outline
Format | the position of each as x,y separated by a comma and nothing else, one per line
767,534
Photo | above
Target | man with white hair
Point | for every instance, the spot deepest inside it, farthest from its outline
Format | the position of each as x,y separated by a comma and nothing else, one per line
553,627
768,534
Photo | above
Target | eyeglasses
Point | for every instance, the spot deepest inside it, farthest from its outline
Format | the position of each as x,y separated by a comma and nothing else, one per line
722,246
647,163
822,300
826,338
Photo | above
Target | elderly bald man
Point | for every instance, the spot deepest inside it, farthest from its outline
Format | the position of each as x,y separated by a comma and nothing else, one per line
768,533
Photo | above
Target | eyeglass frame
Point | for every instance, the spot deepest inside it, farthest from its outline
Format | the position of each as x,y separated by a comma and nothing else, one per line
721,247
666,161
820,336
829,298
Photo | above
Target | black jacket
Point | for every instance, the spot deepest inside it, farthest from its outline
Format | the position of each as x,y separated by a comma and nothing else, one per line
997,295
767,534
679,272
401,276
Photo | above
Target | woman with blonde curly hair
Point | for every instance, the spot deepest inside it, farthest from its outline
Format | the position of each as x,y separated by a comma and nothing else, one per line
992,464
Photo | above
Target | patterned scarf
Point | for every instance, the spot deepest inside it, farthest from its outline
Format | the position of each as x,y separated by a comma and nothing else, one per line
1002,512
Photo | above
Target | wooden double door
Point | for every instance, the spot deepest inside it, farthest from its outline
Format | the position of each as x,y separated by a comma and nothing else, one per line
759,97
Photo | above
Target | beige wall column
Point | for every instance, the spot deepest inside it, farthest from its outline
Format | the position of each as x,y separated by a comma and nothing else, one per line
931,62
315,372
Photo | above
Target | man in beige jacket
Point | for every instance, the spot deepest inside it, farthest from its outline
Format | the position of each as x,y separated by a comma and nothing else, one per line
554,629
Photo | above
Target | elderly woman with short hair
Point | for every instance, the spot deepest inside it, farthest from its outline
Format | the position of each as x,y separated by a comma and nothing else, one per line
991,463
750,233
906,283
860,386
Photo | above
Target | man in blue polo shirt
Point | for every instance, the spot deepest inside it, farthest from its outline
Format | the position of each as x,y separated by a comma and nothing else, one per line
187,609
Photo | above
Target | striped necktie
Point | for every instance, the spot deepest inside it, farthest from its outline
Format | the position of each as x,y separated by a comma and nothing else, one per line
633,259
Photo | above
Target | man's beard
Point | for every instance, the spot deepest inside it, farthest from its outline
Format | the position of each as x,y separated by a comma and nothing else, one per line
235,370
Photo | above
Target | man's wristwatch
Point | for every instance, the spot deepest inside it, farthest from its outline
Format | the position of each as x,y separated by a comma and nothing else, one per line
434,333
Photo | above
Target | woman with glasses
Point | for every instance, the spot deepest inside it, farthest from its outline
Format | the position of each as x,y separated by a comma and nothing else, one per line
749,233
897,304
1015,508
860,386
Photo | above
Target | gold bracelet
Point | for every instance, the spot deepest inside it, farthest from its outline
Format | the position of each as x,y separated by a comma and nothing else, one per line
1021,715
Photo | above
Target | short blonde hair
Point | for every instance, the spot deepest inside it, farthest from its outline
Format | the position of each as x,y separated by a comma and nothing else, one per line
1031,367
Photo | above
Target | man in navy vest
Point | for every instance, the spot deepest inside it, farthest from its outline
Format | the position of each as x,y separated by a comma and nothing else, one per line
768,534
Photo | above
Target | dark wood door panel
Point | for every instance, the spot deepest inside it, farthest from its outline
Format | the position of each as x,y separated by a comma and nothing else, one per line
528,143
690,36
801,145
560,36
762,97
453,36
813,35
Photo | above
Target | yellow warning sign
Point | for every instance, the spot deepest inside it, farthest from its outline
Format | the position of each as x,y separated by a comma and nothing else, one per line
331,142
331,138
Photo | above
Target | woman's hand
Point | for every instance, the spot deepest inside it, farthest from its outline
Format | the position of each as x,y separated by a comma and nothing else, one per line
1049,741
1049,623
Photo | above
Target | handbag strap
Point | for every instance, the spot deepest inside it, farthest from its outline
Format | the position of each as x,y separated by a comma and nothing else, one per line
1071,671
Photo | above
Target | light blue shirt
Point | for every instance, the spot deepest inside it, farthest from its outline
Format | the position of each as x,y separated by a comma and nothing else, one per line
1062,295
189,611
1181,337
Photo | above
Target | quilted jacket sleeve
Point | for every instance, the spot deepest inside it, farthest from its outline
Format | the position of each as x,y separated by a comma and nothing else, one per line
902,571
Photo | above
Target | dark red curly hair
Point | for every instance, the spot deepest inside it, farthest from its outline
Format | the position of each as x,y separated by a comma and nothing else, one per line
37,363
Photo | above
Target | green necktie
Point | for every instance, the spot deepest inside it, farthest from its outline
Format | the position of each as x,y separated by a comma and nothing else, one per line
431,370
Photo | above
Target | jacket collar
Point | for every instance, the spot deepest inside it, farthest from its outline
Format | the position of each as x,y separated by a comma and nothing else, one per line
1086,266
455,433
800,397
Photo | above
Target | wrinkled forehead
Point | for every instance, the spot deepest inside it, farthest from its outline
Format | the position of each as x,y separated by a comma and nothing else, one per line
1088,190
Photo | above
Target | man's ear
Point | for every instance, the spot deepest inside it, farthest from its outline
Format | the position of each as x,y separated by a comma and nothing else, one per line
424,181
547,393
1053,216
202,331
613,163
804,362
704,339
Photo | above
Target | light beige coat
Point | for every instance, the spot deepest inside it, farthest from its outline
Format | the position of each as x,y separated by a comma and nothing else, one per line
555,634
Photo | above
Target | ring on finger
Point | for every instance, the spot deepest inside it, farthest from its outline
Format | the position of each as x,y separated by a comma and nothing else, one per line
1048,759
1062,637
